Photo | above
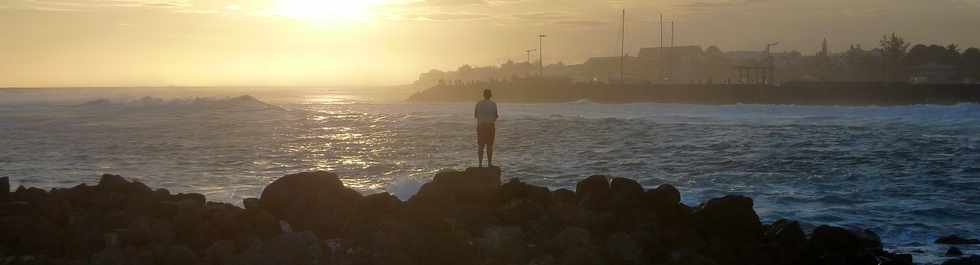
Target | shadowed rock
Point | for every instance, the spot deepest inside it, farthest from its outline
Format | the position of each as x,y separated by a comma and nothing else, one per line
956,240
463,217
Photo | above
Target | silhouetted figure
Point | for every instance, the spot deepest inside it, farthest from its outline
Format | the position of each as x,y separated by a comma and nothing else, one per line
486,116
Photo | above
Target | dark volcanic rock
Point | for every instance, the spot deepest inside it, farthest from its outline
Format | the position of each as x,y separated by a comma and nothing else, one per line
317,201
731,227
954,252
291,248
956,240
458,218
835,245
593,193
786,239
625,193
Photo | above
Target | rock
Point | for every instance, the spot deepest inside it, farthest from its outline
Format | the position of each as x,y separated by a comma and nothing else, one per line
895,259
664,195
469,195
504,245
954,252
563,196
593,193
179,255
4,189
221,252
301,248
786,239
829,244
378,207
971,260
622,249
517,190
869,239
190,200
316,201
731,226
251,203
956,240
113,183
625,193
572,237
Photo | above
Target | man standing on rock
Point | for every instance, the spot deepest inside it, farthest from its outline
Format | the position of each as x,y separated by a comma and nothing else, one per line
486,116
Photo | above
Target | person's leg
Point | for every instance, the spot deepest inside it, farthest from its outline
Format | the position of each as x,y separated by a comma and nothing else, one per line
480,155
489,155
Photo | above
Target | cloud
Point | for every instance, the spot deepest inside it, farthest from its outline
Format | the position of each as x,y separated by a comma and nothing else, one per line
449,16
581,23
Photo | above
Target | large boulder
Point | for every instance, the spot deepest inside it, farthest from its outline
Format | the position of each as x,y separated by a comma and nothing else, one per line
731,227
468,197
785,239
835,245
593,193
316,201
625,193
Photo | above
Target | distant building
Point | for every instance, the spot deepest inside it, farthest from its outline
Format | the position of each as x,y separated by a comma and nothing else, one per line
607,69
933,73
672,64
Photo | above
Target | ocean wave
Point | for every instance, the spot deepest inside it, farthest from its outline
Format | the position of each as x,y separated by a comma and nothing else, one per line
239,103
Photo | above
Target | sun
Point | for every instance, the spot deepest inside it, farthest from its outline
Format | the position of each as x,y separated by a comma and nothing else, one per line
328,10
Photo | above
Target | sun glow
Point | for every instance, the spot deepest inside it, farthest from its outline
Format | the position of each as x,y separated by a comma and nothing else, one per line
328,10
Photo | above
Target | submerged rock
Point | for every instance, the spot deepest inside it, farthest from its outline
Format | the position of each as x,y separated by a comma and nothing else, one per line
956,240
953,252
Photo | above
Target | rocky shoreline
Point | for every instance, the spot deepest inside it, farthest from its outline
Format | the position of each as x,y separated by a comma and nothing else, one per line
466,217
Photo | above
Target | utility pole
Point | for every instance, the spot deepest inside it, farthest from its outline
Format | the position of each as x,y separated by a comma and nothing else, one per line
541,54
529,55
661,52
670,54
622,50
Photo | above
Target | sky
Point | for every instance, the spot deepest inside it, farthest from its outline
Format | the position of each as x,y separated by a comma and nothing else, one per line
389,42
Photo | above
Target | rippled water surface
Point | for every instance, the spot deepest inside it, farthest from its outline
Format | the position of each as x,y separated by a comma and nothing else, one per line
910,173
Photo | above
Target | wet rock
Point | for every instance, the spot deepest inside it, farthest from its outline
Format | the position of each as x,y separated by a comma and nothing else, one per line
593,193
954,252
468,197
971,260
731,226
956,240
251,203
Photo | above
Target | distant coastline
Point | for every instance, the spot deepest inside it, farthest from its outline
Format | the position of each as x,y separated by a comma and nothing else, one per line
799,93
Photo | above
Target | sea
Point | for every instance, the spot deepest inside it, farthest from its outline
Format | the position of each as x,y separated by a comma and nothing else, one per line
908,173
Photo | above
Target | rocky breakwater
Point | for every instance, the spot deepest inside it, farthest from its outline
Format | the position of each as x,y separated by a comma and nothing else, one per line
464,217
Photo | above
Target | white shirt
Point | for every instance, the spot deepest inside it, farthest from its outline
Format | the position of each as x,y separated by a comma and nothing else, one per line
486,111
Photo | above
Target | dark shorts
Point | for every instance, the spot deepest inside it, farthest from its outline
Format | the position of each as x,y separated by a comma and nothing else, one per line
485,133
